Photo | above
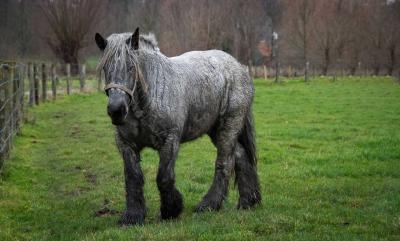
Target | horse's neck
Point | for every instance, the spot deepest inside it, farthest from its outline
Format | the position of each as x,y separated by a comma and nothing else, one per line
155,69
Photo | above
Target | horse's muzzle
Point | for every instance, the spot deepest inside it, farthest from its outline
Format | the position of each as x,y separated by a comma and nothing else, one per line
117,109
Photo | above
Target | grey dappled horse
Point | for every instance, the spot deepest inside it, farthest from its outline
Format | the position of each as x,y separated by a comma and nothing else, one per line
159,102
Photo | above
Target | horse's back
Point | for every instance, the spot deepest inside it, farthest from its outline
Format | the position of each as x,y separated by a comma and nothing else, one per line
215,83
213,58
212,65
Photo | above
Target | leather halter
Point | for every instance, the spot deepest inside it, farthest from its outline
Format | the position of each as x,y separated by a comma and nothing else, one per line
125,89
121,87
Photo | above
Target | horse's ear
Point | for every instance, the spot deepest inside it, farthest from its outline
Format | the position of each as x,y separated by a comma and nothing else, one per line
135,39
100,41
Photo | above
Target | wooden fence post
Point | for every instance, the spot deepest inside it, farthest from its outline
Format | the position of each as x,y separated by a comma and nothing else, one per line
99,80
306,71
265,72
68,70
82,74
12,108
23,75
36,83
31,85
53,81
398,76
4,112
44,83
16,99
9,108
18,96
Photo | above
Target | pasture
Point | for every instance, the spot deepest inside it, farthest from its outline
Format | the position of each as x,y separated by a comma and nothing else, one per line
329,166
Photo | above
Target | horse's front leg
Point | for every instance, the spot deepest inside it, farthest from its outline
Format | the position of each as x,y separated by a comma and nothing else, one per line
171,199
134,181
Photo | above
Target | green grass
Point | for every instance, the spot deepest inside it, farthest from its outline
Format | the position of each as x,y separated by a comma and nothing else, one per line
329,164
92,62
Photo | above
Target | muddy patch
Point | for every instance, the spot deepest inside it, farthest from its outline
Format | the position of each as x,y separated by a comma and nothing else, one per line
78,191
90,177
105,210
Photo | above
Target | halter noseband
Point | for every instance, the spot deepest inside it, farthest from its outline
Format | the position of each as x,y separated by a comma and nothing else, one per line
121,87
125,89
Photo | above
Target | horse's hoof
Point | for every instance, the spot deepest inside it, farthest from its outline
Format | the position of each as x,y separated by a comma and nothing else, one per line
207,206
249,202
171,205
131,218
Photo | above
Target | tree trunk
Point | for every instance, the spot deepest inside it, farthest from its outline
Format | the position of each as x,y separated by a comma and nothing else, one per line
377,69
327,62
73,60
353,70
306,70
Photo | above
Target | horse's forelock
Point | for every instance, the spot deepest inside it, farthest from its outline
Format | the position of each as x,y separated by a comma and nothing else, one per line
117,43
118,52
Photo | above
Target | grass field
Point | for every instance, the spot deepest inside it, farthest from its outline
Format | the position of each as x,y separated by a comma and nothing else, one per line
329,164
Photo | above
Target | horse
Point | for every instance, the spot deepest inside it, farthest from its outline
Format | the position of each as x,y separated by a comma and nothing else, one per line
160,102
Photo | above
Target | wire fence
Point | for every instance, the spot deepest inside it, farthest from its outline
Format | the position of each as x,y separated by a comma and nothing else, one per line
24,85
11,104
310,71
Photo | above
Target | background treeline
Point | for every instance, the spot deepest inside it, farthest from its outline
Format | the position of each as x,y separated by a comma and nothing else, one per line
350,35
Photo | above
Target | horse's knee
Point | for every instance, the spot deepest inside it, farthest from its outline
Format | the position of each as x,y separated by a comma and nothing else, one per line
165,181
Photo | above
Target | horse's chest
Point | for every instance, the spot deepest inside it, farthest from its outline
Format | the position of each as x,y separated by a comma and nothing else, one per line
140,132
130,130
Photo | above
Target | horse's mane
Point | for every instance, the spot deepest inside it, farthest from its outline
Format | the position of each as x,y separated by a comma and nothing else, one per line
149,41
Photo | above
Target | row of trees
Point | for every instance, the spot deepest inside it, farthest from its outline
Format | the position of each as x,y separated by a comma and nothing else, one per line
343,34
328,35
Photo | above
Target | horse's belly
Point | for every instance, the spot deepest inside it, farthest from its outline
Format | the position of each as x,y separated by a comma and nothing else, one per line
197,125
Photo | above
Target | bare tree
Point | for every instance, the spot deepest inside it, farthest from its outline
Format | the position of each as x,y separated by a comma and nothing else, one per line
356,44
247,30
298,24
375,33
70,21
392,34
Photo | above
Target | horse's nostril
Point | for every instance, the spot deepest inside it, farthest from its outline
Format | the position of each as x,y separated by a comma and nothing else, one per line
116,110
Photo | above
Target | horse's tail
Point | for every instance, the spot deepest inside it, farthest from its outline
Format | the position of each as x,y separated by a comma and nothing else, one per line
246,138
246,176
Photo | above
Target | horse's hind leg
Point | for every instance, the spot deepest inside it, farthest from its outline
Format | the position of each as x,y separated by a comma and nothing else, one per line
246,179
225,139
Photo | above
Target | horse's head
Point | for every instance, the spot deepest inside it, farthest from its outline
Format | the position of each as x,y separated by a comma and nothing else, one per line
121,72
